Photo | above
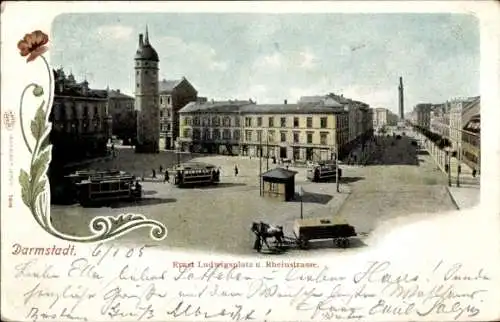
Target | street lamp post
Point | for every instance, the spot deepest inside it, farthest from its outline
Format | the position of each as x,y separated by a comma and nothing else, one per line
267,151
459,157
301,194
448,157
177,151
260,163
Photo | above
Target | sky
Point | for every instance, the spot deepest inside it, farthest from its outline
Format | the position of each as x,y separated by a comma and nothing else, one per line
273,57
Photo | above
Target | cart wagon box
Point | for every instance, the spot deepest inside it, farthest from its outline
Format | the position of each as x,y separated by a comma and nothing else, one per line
323,228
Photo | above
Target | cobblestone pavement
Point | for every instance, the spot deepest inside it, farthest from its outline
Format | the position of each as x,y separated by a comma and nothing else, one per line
218,219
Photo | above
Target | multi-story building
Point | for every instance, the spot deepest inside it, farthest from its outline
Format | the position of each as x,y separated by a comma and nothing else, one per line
121,109
174,95
81,125
465,130
211,127
423,112
303,131
147,97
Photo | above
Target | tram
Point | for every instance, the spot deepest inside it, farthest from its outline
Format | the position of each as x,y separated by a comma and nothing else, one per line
323,171
194,173
102,188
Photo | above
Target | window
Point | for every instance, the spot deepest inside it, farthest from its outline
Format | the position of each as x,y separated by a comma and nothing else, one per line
185,133
137,85
259,121
296,137
309,138
237,121
283,122
309,122
161,113
248,121
271,121
205,121
323,138
196,134
295,122
273,187
283,136
226,121
185,121
323,122
216,134
236,135
226,134
248,136
215,121
206,134
270,135
259,135
196,121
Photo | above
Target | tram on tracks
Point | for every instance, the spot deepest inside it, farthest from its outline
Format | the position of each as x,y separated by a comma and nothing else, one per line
107,187
323,171
195,174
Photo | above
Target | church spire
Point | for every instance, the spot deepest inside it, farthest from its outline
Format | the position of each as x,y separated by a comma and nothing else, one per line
146,41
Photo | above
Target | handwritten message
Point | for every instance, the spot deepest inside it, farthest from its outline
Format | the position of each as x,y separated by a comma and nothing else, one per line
113,283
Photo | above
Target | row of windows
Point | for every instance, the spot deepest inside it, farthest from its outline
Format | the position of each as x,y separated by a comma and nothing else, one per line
249,136
214,121
165,100
283,122
212,135
153,72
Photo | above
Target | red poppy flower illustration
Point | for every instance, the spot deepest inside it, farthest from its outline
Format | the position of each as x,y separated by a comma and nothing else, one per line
33,45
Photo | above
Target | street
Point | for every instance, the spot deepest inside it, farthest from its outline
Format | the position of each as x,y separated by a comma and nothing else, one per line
396,182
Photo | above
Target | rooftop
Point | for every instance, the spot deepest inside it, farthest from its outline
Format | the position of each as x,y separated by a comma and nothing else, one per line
279,173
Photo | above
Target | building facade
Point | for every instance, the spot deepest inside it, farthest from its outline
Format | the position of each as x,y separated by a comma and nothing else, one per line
81,125
174,95
121,108
147,97
303,131
380,117
423,112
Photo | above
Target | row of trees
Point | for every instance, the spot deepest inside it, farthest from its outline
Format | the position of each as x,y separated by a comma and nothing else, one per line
436,138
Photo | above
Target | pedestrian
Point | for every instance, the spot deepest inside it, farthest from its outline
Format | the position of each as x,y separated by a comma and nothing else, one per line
235,170
166,178
154,173
161,168
474,173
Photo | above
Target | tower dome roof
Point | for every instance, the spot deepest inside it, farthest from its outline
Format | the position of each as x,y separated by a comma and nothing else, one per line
145,50
147,53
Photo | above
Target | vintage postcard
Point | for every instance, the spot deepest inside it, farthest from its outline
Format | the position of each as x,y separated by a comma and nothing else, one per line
267,161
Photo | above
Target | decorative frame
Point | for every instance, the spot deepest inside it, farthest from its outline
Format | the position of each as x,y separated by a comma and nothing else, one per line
34,182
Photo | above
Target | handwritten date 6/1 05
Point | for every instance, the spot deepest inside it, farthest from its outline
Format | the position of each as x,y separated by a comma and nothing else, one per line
103,251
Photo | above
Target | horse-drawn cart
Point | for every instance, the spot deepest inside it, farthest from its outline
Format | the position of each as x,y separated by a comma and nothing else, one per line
334,228
304,230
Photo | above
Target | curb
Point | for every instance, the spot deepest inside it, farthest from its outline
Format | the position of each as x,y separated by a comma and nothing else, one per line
453,200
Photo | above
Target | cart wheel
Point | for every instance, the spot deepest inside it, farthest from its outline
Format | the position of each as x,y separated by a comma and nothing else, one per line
303,243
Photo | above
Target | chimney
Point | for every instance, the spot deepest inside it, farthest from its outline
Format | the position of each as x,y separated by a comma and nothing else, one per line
285,102
141,40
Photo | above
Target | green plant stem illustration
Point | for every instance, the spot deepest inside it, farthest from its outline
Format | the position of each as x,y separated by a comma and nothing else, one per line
33,183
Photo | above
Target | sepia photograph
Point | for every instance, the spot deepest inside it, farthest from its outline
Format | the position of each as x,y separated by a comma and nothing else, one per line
260,133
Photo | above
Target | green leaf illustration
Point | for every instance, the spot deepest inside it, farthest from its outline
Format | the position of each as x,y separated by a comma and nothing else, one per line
39,188
38,126
39,165
24,181
45,143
